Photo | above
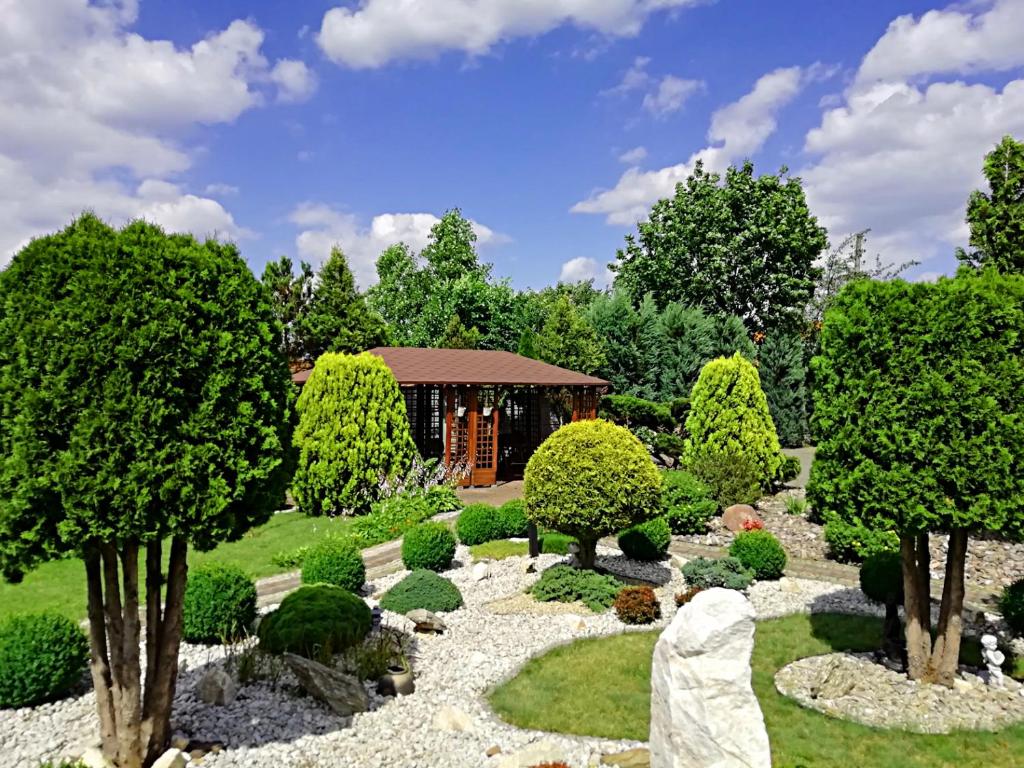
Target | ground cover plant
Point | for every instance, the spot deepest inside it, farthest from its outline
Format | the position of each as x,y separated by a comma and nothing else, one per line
565,584
727,572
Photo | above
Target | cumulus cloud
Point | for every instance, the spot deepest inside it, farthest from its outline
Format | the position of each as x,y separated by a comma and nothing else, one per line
670,95
295,81
737,130
381,31
323,227
633,156
584,268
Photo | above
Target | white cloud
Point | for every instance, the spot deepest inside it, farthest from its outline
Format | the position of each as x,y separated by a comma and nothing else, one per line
91,115
633,79
220,190
670,95
295,81
381,31
584,268
737,130
323,227
633,156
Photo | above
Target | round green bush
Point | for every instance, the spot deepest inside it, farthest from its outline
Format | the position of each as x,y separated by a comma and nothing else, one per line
42,656
428,545
335,560
881,577
591,479
1011,605
422,589
479,523
760,553
512,518
315,621
647,541
219,604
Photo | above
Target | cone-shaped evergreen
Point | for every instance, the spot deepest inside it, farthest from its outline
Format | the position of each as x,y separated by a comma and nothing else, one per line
338,319
783,376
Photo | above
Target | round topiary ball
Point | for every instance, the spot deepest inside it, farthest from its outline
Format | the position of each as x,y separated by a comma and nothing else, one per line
316,621
219,604
428,545
760,553
647,541
591,479
881,578
335,560
512,518
42,656
422,589
479,523
1011,605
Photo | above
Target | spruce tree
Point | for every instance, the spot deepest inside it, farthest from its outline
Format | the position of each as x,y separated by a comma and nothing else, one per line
338,319
781,365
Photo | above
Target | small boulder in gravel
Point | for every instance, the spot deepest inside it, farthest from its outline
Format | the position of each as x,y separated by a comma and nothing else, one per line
480,571
217,687
631,758
344,694
538,753
735,516
172,758
426,621
450,718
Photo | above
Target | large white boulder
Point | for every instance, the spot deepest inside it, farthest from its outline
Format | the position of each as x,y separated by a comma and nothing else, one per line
703,710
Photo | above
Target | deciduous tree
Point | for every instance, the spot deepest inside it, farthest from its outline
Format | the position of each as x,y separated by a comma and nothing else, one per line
567,340
996,219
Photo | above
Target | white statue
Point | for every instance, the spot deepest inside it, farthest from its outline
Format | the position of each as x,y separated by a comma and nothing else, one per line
993,659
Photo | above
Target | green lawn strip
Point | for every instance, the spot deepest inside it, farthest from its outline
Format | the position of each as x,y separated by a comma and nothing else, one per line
499,549
561,692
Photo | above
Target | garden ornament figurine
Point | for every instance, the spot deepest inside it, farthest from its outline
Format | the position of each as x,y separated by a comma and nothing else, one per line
993,659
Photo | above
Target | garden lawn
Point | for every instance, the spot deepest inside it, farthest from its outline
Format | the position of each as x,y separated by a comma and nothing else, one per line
551,543
560,692
60,585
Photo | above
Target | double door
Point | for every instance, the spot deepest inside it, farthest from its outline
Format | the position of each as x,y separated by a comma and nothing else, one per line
471,432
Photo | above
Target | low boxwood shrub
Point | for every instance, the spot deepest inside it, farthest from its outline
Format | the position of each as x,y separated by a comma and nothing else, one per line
422,589
851,543
1011,605
647,541
315,621
512,519
728,572
478,523
565,584
637,605
42,656
335,560
219,604
428,545
760,553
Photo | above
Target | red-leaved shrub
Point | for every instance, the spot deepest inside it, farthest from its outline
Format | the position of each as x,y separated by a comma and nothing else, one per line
637,605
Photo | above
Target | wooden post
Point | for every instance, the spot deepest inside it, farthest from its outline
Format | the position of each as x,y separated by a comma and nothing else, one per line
531,532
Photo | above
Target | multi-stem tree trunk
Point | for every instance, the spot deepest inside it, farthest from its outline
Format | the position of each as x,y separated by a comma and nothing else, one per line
134,717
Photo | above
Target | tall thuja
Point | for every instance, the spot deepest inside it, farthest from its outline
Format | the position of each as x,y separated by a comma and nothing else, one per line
353,432
783,377
729,417
567,340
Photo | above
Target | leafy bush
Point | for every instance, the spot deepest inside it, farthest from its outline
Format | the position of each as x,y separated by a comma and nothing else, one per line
727,572
315,621
637,605
591,479
219,604
687,502
730,476
636,412
789,469
692,517
392,517
42,656
290,558
682,598
422,589
881,578
565,584
760,553
646,541
852,542
512,515
669,444
428,545
478,523
442,498
335,560
1011,605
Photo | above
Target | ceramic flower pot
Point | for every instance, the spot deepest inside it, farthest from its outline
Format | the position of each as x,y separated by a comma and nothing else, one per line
397,682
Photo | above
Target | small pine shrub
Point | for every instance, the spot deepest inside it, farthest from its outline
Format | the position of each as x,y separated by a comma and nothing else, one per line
760,553
637,605
648,541
728,572
881,578
1011,605
422,589
219,604
565,584
851,543
42,656
428,545
512,518
682,598
479,523
335,560
731,477
315,621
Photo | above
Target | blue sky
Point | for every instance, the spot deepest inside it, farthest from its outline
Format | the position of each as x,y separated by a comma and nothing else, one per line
552,125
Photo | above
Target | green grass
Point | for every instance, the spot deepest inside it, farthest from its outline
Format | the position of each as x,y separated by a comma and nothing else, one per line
60,585
560,692
551,543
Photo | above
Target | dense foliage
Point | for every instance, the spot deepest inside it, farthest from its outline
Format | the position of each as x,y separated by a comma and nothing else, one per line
391,517
478,523
564,584
881,578
290,294
335,560
422,589
732,477
637,605
42,656
783,379
512,515
646,541
591,479
428,545
632,411
1011,605
726,572
353,433
567,340
760,553
852,542
996,218
315,621
688,502
220,604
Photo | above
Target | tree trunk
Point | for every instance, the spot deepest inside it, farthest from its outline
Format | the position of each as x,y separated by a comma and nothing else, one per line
946,653
586,557
99,661
916,603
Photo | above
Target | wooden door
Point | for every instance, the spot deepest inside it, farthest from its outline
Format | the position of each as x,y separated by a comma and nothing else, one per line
484,426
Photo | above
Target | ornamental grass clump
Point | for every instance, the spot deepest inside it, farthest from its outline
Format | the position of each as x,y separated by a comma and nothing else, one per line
315,621
565,584
42,656
422,589
428,545
219,605
335,560
637,605
760,553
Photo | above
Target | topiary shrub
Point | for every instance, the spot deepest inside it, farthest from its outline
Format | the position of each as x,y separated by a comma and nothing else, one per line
564,584
1011,605
352,433
646,541
760,553
479,523
728,572
42,656
428,545
851,542
881,579
512,516
636,412
219,604
729,415
591,479
637,605
335,560
422,589
315,621
730,476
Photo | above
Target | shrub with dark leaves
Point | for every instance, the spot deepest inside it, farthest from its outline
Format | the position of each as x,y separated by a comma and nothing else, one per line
637,605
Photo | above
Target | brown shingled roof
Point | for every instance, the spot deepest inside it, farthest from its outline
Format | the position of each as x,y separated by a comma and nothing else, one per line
412,365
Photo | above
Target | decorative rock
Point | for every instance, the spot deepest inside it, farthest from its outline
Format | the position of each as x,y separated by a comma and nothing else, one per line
700,687
93,758
480,571
172,758
631,758
217,687
450,718
342,693
735,516
544,751
493,750
426,621
667,460
528,566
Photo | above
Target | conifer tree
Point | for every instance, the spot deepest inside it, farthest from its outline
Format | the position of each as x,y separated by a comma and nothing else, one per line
338,319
